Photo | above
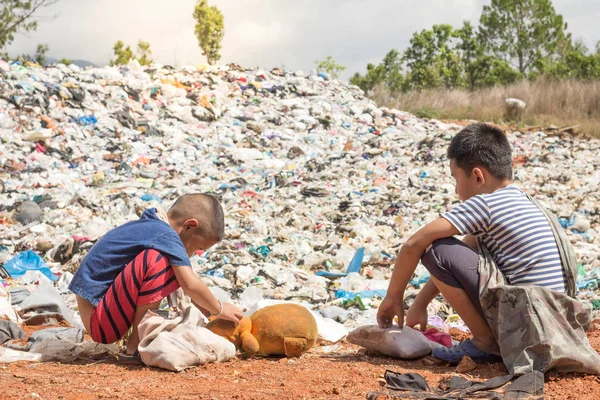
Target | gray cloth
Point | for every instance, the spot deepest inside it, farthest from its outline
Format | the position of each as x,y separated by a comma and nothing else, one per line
70,335
45,306
413,386
455,264
17,295
9,331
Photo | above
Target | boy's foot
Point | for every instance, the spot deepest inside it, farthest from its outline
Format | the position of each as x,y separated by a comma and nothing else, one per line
130,359
455,354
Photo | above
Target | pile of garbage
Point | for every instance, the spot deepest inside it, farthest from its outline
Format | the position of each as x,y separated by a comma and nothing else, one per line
316,180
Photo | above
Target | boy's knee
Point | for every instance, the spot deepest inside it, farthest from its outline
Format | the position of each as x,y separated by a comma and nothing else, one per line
430,258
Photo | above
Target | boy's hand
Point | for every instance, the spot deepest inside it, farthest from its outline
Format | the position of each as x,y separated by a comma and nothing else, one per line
389,308
231,313
417,315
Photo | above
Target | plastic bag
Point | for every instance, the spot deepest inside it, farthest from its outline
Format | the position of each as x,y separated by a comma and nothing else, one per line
26,261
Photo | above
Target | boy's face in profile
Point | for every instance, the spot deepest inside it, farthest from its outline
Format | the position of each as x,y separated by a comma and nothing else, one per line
194,240
466,186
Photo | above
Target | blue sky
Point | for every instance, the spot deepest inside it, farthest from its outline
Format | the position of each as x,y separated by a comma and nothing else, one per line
266,33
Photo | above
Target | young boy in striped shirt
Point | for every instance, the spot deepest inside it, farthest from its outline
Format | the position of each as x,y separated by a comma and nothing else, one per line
136,265
496,212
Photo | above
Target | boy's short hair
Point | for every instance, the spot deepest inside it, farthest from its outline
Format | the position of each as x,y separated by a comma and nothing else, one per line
485,146
205,208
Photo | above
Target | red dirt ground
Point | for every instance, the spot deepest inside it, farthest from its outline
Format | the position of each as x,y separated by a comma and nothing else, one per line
349,373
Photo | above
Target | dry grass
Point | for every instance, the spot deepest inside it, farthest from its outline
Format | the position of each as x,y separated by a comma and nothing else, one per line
562,104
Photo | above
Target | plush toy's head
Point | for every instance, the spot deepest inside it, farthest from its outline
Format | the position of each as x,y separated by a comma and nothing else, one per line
240,335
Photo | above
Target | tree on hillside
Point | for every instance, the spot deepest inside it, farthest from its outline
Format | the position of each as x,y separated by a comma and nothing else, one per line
575,62
144,53
388,73
522,32
431,59
330,67
480,69
18,16
40,54
124,54
210,29
39,57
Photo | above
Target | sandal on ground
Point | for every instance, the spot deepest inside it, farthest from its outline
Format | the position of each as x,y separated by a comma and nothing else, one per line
455,354
130,359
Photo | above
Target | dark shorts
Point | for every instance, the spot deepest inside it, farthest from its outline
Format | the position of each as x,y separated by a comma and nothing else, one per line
454,263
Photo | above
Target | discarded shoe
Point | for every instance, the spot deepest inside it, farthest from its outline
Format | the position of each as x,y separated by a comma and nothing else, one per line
456,353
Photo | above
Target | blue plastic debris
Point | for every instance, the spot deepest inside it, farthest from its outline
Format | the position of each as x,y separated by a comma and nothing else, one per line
324,75
366,294
417,282
88,120
354,266
28,261
151,197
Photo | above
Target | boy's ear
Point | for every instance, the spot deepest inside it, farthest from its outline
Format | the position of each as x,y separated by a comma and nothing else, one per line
190,224
479,175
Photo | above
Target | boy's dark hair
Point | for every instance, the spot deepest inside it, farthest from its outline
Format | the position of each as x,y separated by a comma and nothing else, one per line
205,208
485,146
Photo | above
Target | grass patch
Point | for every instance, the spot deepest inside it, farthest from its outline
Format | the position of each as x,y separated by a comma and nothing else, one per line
558,103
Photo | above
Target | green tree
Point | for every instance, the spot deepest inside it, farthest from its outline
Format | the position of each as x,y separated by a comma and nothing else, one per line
144,52
480,69
65,61
578,63
124,54
40,54
330,67
392,69
19,17
210,29
388,73
39,57
522,32
431,60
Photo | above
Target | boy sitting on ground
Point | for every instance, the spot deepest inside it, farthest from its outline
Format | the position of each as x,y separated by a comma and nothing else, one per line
496,214
136,265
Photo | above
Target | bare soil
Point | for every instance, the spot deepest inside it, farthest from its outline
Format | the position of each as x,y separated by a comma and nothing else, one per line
348,373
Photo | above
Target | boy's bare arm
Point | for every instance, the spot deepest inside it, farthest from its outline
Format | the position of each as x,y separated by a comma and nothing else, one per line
405,266
202,297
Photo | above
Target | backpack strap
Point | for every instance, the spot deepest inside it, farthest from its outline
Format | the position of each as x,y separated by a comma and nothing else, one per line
565,250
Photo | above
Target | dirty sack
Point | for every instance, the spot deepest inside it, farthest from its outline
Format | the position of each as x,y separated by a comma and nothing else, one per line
45,306
538,329
182,342
9,331
54,344
396,342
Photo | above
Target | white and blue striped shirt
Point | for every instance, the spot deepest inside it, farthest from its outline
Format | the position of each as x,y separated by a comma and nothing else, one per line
516,233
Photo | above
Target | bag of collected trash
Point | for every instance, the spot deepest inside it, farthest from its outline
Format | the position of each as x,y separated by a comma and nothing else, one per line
9,331
394,342
537,329
72,335
28,261
180,343
45,306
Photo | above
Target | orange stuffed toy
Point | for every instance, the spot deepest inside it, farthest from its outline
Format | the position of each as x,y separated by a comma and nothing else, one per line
282,329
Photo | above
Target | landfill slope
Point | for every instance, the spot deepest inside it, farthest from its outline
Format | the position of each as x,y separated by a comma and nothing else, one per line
308,170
